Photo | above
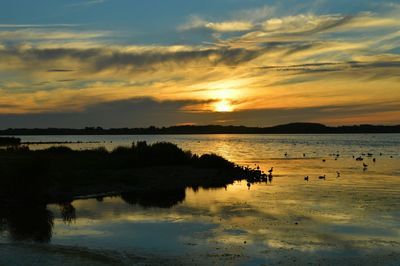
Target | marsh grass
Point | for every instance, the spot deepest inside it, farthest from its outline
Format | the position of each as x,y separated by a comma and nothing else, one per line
60,173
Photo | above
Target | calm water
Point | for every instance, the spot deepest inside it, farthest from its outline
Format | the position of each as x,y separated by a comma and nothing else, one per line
351,219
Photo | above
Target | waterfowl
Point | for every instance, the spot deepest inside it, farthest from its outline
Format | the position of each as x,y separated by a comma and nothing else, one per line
374,160
338,174
306,178
322,177
365,165
264,177
359,158
270,178
323,160
271,170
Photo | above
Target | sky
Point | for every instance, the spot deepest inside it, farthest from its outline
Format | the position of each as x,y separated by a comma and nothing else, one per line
136,63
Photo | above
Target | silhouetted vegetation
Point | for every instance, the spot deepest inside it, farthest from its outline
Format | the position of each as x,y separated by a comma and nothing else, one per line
59,174
293,128
26,222
9,141
154,175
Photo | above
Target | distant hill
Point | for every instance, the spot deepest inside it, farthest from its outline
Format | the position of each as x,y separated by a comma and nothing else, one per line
292,128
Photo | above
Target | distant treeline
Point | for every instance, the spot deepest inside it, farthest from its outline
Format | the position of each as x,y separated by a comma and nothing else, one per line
293,128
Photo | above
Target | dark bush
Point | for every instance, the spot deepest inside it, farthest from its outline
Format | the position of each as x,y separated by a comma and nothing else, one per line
9,141
213,161
58,149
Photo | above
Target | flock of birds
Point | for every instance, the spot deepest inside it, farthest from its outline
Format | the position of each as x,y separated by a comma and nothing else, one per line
268,177
322,177
337,155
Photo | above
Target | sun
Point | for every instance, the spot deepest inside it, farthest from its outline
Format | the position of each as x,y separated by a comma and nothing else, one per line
223,106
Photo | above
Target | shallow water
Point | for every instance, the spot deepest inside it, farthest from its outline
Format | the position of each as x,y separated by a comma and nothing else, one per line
351,219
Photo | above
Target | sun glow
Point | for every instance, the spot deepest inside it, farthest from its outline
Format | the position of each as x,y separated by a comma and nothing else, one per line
223,106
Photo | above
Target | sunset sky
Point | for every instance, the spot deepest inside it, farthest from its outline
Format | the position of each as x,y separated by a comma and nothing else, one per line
134,63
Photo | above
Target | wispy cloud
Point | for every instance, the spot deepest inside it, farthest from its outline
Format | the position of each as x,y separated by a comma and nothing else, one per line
35,34
196,23
256,14
303,23
38,25
87,3
306,24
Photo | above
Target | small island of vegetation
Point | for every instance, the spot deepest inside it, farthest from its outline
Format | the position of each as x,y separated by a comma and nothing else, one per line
60,174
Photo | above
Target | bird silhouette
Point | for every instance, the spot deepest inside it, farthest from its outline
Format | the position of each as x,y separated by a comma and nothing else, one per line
322,177
270,177
306,178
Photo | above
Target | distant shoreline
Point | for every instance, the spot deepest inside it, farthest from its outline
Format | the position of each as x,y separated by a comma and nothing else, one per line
293,128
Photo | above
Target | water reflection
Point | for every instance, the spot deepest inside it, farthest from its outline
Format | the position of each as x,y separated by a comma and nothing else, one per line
27,222
164,198
68,212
